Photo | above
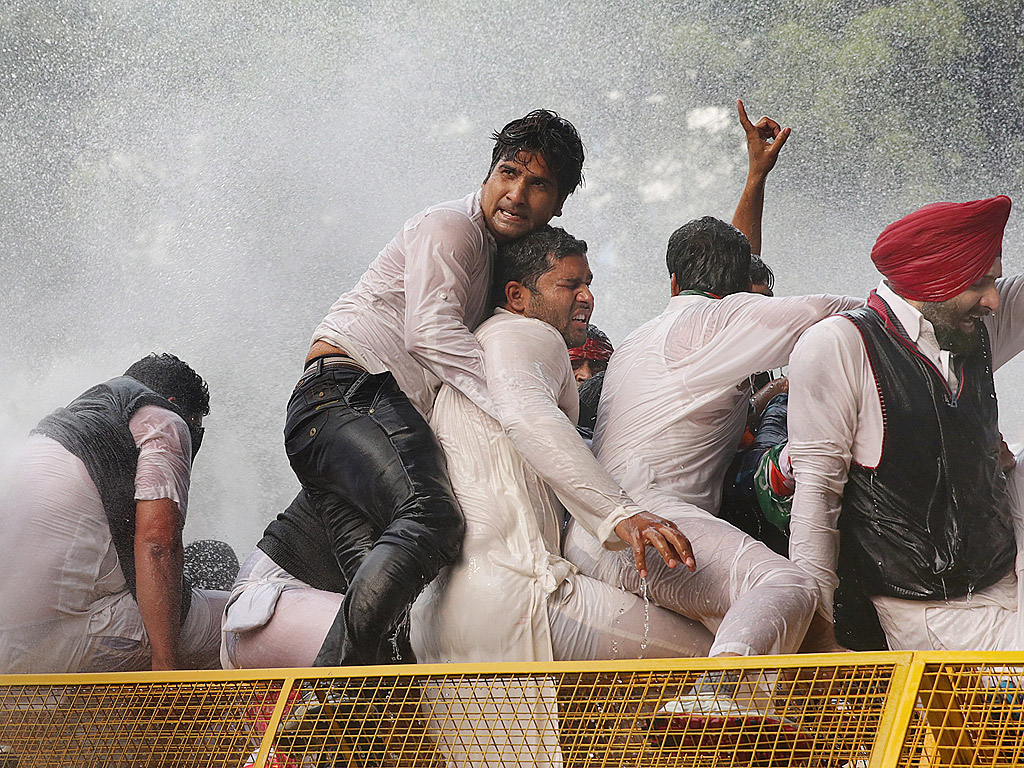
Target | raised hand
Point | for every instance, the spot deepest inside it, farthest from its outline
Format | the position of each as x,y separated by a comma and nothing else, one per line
765,140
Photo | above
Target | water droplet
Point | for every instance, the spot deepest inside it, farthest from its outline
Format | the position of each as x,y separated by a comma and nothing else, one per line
647,613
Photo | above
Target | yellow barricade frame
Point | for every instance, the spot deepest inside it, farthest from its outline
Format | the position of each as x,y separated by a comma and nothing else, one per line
864,710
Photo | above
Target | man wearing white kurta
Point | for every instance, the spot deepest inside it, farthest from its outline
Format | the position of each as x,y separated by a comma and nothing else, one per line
957,542
672,412
510,596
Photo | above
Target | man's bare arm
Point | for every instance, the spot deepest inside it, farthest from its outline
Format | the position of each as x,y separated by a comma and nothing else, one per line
765,140
159,560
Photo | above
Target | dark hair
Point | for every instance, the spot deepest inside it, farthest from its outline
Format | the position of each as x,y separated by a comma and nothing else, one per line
526,259
553,137
595,333
709,255
761,273
166,375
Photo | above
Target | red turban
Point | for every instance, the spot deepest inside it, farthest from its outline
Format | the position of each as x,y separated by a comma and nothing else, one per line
597,348
941,250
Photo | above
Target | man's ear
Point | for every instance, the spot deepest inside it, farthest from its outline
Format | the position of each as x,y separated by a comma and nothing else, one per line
674,285
517,296
558,208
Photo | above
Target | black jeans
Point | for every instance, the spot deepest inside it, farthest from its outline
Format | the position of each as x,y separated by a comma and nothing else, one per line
376,476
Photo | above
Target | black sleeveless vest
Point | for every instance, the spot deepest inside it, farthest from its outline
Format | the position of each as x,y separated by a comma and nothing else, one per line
932,520
94,427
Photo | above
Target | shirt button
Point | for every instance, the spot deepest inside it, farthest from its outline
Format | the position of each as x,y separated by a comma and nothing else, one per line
442,296
312,432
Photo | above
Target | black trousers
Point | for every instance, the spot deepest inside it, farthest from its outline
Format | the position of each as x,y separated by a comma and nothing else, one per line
376,477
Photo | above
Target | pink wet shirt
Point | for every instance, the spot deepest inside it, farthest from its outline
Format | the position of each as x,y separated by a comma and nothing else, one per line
414,309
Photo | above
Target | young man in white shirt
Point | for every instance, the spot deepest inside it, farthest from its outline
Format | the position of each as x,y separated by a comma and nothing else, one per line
510,596
894,438
376,517
673,409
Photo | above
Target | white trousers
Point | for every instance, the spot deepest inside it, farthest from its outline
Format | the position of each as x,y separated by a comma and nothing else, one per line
276,620
753,600
989,620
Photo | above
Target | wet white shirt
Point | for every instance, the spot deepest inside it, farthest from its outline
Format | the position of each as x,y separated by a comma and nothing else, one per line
835,416
511,484
674,402
414,309
65,576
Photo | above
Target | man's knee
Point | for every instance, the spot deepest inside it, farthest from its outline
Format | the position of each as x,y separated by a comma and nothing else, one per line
432,524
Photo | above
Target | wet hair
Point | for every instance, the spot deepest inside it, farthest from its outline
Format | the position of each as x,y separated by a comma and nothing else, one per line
524,260
595,333
761,273
709,255
166,375
553,137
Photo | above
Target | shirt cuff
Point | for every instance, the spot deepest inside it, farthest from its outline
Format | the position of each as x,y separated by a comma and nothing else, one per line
606,531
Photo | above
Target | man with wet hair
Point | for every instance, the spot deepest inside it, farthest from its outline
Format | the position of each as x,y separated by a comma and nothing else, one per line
376,517
92,532
510,596
673,409
900,496
762,279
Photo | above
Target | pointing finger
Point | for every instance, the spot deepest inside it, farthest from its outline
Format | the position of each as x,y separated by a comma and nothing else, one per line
744,120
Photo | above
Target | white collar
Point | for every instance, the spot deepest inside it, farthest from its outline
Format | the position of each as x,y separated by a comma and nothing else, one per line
910,317
918,328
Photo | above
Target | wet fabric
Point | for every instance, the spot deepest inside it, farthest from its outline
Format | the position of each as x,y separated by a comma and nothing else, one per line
940,250
376,518
836,419
69,606
94,427
753,600
413,311
512,484
674,402
511,596
273,619
931,521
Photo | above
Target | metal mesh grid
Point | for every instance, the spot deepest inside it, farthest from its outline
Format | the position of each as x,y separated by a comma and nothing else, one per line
181,724
967,714
779,716
782,711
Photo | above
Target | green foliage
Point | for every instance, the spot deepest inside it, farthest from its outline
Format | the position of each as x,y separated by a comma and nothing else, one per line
911,99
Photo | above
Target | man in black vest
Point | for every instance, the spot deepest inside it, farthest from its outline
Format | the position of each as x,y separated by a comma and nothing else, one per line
92,525
895,444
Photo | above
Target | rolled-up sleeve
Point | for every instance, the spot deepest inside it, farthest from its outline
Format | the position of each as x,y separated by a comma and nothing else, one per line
826,374
447,279
528,374
165,451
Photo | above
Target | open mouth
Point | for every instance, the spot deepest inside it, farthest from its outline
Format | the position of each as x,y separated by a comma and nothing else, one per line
511,218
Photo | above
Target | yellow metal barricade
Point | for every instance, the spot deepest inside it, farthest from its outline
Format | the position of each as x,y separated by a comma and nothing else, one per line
838,711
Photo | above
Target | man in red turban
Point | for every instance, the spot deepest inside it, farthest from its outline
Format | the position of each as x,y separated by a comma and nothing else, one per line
894,441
